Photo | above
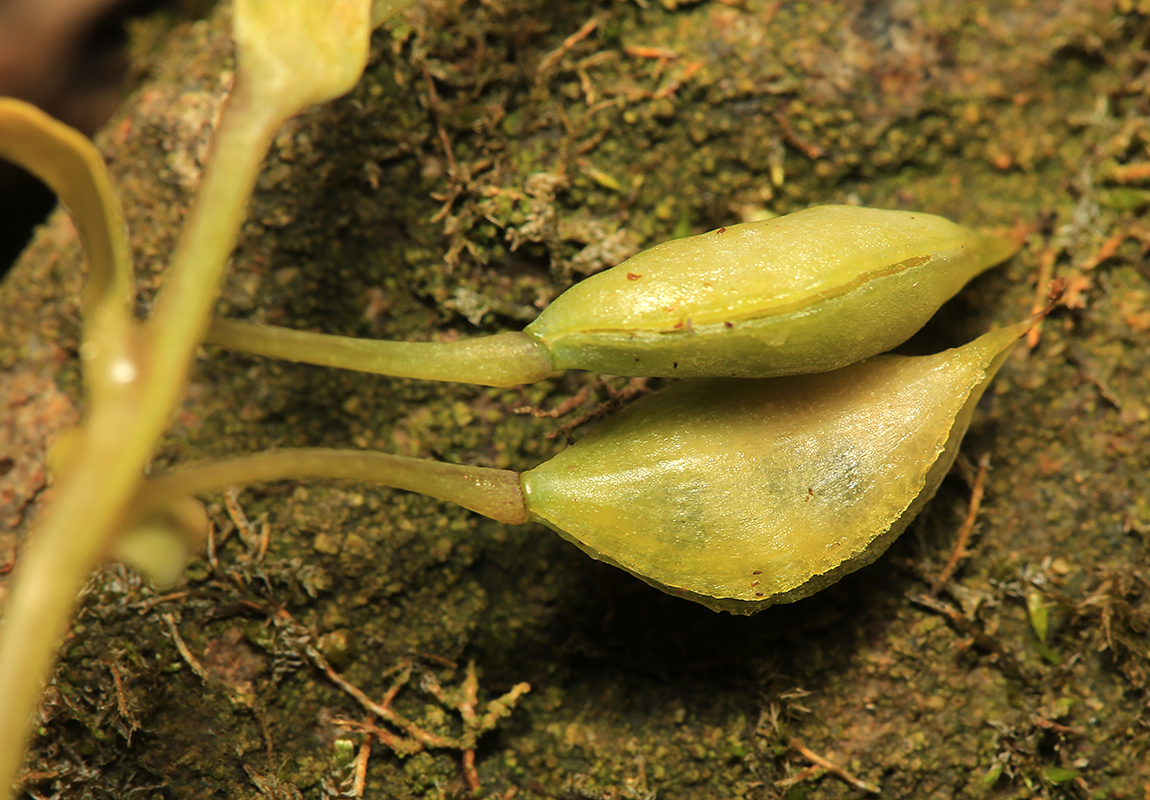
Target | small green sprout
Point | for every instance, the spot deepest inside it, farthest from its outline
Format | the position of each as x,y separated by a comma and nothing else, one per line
808,292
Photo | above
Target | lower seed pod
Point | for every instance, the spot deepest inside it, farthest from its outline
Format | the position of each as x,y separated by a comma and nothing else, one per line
737,494
743,494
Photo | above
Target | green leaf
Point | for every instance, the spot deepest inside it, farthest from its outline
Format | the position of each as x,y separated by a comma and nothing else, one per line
1058,775
1039,616
1124,198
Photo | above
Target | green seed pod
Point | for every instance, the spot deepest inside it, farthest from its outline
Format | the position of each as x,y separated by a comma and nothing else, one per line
737,494
742,494
808,292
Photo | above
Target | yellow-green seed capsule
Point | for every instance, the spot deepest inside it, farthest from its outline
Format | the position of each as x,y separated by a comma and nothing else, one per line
742,494
808,292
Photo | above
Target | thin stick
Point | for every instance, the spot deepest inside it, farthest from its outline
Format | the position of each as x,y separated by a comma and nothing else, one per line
384,711
1046,259
213,561
564,408
969,628
960,552
800,776
470,774
122,700
555,56
832,768
360,782
185,653
405,747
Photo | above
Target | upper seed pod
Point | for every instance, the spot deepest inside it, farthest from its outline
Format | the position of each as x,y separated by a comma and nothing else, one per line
808,292
742,494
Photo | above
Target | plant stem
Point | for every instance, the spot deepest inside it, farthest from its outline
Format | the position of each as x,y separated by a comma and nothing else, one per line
505,359
70,164
134,374
192,281
495,493
82,521
128,411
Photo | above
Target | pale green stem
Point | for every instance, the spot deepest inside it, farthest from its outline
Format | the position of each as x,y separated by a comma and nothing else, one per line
191,283
70,164
72,167
125,420
495,493
505,359
86,513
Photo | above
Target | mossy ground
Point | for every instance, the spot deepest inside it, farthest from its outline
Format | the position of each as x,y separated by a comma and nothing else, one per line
495,152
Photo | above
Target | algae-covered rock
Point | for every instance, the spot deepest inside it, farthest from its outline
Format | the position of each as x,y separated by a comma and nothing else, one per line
492,151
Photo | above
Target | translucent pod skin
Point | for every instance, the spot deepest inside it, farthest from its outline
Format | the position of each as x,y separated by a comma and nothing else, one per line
808,292
743,494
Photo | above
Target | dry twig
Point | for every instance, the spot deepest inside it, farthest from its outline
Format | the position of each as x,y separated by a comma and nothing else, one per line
552,59
185,653
975,634
1042,290
464,701
829,766
360,782
960,550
